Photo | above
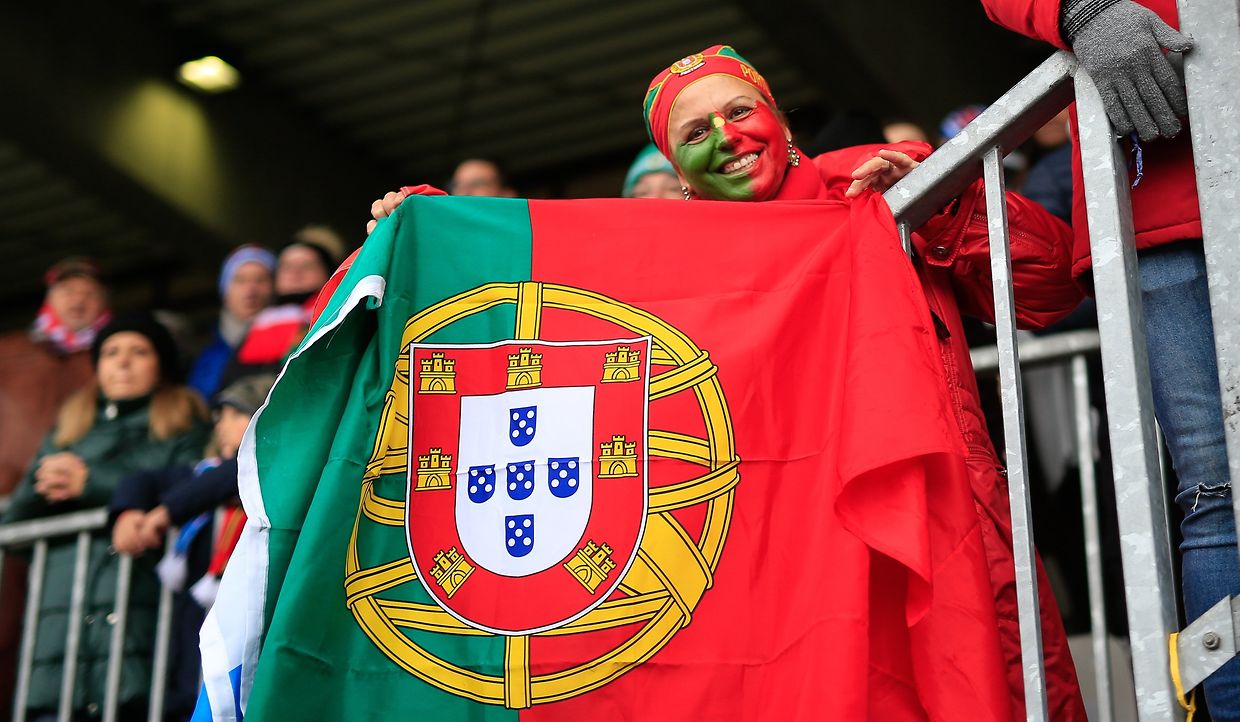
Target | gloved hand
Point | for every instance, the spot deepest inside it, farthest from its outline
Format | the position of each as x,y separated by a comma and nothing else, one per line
1119,43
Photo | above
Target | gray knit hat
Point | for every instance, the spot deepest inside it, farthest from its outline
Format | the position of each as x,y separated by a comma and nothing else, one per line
247,393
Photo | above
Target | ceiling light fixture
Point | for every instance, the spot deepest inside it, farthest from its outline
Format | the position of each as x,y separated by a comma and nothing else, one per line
209,75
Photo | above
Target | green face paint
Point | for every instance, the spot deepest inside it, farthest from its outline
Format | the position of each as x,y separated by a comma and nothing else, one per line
699,162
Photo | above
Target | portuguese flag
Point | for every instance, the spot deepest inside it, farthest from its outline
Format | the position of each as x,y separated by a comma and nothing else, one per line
611,460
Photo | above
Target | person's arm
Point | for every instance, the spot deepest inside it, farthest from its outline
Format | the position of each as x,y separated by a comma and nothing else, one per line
841,169
1037,19
202,494
139,490
1119,43
958,239
26,503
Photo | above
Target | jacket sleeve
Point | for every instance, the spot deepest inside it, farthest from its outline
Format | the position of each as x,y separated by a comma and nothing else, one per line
136,491
202,494
1037,19
103,479
836,167
957,239
25,503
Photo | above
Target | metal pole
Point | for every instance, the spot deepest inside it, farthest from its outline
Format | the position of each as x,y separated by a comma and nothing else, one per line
116,646
1054,347
906,238
34,597
163,636
1093,538
1014,439
1148,584
1008,122
1212,77
73,638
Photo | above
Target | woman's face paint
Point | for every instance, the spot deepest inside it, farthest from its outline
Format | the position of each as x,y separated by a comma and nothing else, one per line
728,143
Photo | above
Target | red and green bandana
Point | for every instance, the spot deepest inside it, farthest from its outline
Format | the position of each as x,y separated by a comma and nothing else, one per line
668,84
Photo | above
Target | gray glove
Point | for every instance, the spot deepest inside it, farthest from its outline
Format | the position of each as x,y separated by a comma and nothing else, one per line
1119,43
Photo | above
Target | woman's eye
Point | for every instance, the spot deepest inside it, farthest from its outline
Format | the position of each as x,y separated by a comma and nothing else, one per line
696,134
738,112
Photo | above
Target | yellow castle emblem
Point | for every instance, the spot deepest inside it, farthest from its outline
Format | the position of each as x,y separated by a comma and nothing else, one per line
622,365
438,375
524,369
434,470
450,571
617,458
591,565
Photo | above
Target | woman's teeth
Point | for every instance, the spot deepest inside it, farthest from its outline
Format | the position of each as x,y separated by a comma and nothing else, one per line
740,163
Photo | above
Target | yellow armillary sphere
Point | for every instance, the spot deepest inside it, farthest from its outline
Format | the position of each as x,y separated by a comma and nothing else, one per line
668,570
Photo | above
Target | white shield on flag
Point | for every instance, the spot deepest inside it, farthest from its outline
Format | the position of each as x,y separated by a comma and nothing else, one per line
535,514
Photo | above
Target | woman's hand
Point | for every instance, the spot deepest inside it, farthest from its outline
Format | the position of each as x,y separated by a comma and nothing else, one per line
385,206
61,477
127,532
880,172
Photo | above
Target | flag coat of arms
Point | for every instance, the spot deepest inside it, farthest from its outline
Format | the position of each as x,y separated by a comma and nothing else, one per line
611,460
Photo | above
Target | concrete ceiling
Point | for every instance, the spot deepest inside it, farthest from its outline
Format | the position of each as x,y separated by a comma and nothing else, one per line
102,153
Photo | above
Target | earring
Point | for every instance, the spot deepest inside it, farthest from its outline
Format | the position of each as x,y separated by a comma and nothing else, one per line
794,157
685,191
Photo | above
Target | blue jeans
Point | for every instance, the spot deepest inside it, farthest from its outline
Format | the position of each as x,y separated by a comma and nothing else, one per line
1184,377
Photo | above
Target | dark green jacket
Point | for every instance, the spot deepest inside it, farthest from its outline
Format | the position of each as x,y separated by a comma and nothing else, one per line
112,449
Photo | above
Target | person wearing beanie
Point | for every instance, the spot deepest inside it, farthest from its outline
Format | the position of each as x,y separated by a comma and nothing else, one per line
147,504
246,288
302,268
135,416
651,176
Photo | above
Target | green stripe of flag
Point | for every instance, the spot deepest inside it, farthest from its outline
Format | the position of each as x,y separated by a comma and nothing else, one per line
313,442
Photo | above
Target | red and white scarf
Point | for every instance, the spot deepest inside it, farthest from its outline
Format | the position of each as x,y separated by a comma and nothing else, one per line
49,328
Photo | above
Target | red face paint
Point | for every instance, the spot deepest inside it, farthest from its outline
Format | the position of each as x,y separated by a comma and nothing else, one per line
742,155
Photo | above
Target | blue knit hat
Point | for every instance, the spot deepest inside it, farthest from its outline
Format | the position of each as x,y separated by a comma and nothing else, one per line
648,161
241,256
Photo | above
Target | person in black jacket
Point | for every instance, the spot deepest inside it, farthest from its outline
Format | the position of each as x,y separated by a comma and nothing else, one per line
146,505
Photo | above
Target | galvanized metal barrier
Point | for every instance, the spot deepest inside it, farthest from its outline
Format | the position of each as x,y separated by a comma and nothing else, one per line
1075,348
1212,71
37,535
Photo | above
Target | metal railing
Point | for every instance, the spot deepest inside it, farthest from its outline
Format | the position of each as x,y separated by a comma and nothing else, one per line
1212,74
1075,348
37,535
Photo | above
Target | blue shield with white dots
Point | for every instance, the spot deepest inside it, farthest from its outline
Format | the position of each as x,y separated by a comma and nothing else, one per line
481,482
563,476
522,424
519,534
520,480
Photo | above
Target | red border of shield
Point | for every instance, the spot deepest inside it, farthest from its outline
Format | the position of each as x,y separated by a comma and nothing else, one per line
555,596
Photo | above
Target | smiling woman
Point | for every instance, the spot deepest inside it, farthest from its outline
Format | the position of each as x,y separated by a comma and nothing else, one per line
714,117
